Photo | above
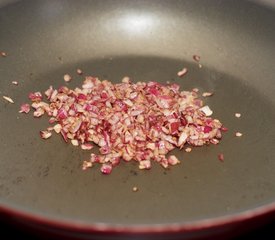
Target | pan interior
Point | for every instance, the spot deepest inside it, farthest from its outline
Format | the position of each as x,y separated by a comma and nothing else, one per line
146,40
46,176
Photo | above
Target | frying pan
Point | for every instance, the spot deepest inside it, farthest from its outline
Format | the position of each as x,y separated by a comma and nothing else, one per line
42,185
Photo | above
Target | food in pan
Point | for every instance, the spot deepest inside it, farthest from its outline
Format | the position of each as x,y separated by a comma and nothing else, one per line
140,121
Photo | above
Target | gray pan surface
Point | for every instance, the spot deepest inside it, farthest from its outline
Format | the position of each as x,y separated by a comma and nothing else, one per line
146,40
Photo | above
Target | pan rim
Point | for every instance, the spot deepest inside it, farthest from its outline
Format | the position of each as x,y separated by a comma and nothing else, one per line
184,227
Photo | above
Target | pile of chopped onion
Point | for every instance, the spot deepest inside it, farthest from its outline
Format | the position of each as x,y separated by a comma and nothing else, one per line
130,121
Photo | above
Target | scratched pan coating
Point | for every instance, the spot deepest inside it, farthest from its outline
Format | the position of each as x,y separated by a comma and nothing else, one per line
42,181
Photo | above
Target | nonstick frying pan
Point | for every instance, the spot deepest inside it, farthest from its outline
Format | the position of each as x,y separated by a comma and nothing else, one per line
42,185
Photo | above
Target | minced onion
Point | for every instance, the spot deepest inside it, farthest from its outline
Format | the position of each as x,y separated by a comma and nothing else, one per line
3,54
14,83
238,115
238,134
8,99
197,58
182,72
207,94
79,71
25,108
139,122
221,157
67,78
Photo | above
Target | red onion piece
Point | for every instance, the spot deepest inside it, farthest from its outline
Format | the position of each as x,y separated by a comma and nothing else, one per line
182,72
207,129
67,78
173,160
3,54
45,134
35,97
25,108
106,168
14,83
87,146
197,58
79,71
8,99
221,157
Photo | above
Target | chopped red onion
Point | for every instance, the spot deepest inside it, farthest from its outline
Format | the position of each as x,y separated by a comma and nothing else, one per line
25,108
197,58
86,165
35,97
238,134
221,157
14,83
207,129
206,110
74,142
79,71
182,72
8,99
126,79
145,164
172,160
67,78
38,112
182,139
130,121
86,146
45,134
106,168
3,54
207,94
188,149
224,129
